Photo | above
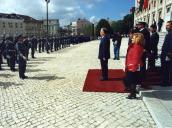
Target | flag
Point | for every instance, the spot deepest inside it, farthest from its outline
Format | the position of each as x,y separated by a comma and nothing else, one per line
146,2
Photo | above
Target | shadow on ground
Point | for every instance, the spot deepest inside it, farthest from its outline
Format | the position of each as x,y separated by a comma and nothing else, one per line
46,77
164,93
6,85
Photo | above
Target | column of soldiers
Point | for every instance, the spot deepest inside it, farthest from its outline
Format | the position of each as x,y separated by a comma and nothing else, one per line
17,50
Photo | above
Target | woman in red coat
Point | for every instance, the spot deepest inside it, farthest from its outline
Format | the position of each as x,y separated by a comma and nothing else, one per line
134,63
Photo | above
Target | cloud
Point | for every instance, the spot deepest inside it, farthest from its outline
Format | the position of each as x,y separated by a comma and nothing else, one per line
94,19
65,10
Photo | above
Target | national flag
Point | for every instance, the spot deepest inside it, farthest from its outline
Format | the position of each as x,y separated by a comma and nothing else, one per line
146,3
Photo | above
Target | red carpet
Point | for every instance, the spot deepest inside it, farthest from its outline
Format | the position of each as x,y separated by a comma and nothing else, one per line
152,78
114,84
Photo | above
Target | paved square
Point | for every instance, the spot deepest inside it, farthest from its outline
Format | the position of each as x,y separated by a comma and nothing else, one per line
52,97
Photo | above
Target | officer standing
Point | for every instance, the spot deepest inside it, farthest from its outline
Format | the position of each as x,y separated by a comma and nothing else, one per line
11,53
47,45
21,50
154,39
39,44
166,57
33,46
1,51
27,44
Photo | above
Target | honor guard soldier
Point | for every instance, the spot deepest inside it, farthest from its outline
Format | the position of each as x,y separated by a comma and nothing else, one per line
21,50
27,44
11,53
1,51
39,44
43,44
47,45
33,46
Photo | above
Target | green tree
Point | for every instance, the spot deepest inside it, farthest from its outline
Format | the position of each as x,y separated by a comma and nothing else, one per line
103,24
123,26
118,26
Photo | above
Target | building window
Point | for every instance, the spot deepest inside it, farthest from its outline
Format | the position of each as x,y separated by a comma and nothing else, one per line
154,4
159,14
3,24
168,8
161,1
21,25
16,25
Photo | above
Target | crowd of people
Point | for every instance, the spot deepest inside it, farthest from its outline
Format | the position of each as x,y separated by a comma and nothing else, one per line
142,46
17,50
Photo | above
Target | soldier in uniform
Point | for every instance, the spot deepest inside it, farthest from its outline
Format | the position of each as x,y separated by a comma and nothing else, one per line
47,45
51,41
33,46
43,44
11,53
27,44
39,44
1,51
21,50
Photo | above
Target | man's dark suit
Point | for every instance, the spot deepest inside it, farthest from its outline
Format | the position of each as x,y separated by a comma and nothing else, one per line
166,64
104,55
154,39
146,34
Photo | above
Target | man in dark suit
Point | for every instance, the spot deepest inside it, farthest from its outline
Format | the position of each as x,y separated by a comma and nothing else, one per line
143,29
166,57
154,39
104,53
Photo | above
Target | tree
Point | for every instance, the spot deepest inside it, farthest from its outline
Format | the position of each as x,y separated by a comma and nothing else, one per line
128,22
103,24
118,26
125,25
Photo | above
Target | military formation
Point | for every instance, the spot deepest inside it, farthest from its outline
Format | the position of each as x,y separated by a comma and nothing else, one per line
17,50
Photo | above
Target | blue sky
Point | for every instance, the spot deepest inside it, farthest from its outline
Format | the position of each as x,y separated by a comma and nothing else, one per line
113,9
69,10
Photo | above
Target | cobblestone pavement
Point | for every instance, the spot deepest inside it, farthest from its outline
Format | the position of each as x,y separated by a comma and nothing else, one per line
52,97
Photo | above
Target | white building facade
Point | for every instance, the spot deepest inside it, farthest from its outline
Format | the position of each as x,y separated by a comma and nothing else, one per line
78,27
53,26
156,9
11,26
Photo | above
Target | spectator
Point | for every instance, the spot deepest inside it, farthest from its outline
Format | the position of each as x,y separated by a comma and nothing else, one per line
154,39
117,44
166,57
134,64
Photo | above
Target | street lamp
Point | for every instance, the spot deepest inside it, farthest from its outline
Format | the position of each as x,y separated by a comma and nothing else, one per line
47,2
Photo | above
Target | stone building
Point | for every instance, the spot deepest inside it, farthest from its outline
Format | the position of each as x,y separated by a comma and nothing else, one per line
156,9
16,24
11,25
53,26
79,27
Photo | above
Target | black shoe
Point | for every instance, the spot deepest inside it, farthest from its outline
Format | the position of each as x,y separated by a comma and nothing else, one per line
25,77
114,58
131,96
22,78
103,79
13,70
